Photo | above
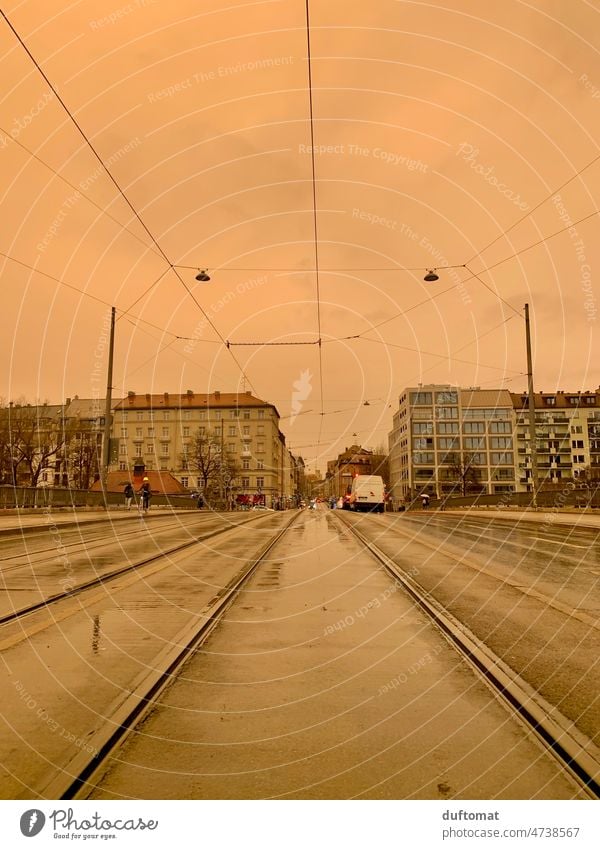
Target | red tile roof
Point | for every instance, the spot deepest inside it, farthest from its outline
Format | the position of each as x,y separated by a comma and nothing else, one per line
190,400
161,483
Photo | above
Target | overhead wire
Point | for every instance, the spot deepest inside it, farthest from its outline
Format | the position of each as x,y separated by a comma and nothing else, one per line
314,199
120,190
81,193
537,206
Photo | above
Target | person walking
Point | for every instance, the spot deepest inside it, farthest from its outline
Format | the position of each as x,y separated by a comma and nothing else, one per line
128,493
145,493
425,500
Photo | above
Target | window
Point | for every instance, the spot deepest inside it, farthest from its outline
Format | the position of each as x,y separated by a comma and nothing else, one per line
137,447
577,443
150,431
577,429
166,415
124,432
201,431
184,482
232,429
202,416
504,474
473,442
501,442
165,431
186,431
260,430
122,467
261,414
423,443
247,414
245,464
260,464
260,447
447,397
421,427
474,427
446,412
186,415
124,417
246,430
217,414
150,448
139,431
245,483
421,458
123,448
578,458
164,449
139,417
500,427
590,399
446,443
447,427
550,400
234,414
218,430
421,398
501,459
231,447
260,482
477,459
422,413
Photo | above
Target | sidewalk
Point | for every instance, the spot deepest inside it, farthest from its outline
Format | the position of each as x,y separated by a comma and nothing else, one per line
15,520
582,518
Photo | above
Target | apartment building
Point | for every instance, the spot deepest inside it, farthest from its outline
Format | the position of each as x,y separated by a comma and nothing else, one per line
438,428
157,431
567,426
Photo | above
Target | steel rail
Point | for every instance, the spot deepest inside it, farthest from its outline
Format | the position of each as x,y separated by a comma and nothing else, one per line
80,776
576,753
122,570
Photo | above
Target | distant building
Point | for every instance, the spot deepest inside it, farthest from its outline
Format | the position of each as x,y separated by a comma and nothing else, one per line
158,431
353,461
567,428
438,427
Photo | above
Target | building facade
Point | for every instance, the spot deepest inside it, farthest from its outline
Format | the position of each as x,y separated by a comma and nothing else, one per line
158,431
567,426
446,439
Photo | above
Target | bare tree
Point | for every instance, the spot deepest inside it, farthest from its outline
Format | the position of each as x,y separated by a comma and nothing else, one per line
38,435
463,470
83,455
203,456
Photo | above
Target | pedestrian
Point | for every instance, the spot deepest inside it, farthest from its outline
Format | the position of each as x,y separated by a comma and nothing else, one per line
128,493
200,501
425,500
146,493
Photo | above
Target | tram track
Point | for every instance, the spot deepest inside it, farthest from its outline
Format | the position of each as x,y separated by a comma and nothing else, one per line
79,776
87,544
108,576
576,753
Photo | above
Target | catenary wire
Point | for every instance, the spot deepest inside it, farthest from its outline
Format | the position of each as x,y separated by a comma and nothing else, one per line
121,192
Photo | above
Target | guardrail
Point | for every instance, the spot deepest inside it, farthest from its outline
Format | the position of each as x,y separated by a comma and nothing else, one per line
546,499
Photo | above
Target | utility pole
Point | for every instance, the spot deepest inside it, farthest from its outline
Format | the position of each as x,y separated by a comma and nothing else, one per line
108,412
532,431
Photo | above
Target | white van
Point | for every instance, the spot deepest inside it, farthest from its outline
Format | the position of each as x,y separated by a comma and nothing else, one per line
368,494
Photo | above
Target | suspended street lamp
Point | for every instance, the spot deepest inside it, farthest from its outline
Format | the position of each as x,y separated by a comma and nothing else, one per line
202,276
431,276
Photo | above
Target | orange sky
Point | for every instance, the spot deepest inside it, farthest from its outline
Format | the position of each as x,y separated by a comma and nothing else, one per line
438,126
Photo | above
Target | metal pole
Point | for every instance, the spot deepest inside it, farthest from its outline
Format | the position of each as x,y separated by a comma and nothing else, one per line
108,412
532,432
